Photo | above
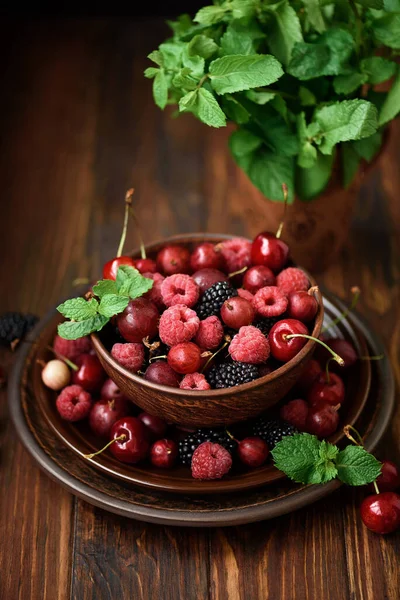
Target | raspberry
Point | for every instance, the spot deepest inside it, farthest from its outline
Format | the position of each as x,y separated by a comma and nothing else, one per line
178,324
210,461
245,294
210,333
74,403
270,301
194,381
236,253
130,355
72,349
249,346
155,293
295,412
179,289
196,437
292,280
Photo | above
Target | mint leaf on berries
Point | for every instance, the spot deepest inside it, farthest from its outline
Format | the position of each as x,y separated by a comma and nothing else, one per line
103,287
112,304
131,283
72,330
79,309
356,466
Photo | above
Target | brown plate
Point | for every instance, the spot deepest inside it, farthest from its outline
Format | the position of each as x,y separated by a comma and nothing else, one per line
81,440
62,464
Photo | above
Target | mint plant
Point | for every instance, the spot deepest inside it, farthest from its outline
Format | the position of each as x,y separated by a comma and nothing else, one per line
297,78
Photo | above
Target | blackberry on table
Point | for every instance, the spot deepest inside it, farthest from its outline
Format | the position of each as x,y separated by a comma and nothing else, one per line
187,446
272,431
266,323
227,375
14,326
213,298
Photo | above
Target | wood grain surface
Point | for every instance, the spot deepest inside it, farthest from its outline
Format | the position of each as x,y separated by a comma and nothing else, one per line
77,128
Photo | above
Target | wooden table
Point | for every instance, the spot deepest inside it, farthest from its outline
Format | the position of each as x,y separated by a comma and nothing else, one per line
78,127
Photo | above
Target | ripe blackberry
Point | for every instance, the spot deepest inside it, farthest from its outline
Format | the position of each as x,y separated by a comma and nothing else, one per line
272,431
187,446
266,323
230,374
213,298
14,326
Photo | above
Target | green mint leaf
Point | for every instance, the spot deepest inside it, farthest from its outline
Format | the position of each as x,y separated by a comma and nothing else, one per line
260,97
160,89
314,15
72,330
208,15
182,25
368,147
283,32
391,5
243,142
185,80
203,46
312,181
356,466
112,304
387,30
241,37
307,98
195,63
350,163
304,459
235,73
131,283
78,309
234,110
347,120
203,105
151,72
105,286
156,57
243,8
347,84
171,53
378,69
391,106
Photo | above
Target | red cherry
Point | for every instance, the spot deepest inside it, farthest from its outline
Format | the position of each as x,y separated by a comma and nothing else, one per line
160,372
104,413
322,422
381,512
156,426
205,278
322,393
252,451
205,256
111,267
258,277
295,412
110,390
134,446
302,306
90,374
164,453
138,320
270,251
389,479
311,371
184,358
237,312
145,265
173,259
283,348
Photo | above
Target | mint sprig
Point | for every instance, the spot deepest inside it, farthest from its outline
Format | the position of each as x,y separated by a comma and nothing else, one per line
89,315
305,459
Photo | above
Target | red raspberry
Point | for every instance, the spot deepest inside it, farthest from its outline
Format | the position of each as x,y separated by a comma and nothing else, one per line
270,302
245,294
210,333
74,403
130,355
194,381
236,253
249,346
72,348
179,289
178,324
210,461
155,293
296,412
292,280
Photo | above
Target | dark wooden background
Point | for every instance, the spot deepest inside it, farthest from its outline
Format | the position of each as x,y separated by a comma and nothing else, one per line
77,127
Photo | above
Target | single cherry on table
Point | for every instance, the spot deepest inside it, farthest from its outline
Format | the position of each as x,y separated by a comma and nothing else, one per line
381,512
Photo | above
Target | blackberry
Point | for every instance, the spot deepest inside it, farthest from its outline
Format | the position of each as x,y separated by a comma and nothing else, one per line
187,446
230,374
272,431
213,298
14,326
266,323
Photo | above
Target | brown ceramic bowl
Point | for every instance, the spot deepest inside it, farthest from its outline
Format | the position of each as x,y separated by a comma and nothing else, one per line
210,408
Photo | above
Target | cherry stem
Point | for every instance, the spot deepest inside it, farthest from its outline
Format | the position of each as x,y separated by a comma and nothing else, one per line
335,356
376,487
156,357
215,354
285,199
80,281
347,429
139,231
239,272
128,202
378,357
328,375
231,436
119,438
67,361
356,295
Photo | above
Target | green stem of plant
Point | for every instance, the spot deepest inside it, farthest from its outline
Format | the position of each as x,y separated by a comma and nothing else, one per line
202,80
128,202
358,36
67,361
335,356
356,295
285,199
117,439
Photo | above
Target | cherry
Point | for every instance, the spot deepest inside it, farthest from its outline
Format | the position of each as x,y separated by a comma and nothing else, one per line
184,358
322,422
311,371
389,479
326,390
381,512
173,259
295,412
237,312
104,413
138,320
258,277
205,278
303,306
205,256
145,265
164,453
110,390
342,347
156,427
131,443
285,348
269,251
111,267
252,451
90,374
160,372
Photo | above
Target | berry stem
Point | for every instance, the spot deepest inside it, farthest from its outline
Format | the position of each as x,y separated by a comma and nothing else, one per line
119,438
328,376
378,357
67,361
285,199
231,436
335,356
347,429
157,357
224,345
356,295
128,202
80,281
139,230
239,272
376,487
